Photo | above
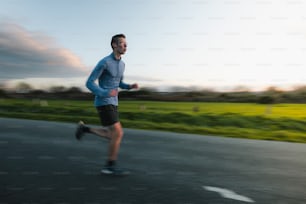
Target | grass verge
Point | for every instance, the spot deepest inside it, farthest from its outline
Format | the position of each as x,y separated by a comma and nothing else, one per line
283,122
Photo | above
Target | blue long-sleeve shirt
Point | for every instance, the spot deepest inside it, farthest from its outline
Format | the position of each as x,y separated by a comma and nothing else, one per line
109,73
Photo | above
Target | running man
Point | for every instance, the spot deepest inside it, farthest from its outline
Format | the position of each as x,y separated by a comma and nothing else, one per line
109,73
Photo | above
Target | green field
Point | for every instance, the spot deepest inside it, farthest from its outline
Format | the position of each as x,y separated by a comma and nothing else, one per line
282,122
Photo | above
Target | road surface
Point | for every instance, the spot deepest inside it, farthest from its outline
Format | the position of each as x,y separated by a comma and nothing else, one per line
41,162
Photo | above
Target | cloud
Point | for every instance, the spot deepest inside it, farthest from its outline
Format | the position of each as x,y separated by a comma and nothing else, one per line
25,54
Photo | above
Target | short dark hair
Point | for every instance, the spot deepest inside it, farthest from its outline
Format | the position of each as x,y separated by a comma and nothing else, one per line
115,38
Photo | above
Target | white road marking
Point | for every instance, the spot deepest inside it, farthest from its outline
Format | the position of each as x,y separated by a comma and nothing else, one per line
228,194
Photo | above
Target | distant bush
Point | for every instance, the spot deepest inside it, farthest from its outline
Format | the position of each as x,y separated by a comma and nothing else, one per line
3,93
266,100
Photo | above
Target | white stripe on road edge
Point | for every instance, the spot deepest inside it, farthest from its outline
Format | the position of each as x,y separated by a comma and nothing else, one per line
228,194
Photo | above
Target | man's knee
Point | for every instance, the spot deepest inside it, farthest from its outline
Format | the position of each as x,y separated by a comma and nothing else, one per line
117,131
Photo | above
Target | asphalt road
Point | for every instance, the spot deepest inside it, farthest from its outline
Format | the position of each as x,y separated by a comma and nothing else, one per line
41,162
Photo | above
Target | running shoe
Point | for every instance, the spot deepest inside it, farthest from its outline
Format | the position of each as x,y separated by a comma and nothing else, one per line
113,170
79,133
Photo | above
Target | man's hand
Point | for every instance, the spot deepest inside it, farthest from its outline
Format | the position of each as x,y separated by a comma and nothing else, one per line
113,92
134,86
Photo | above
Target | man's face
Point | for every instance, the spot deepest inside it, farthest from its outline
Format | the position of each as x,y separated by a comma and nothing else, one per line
121,47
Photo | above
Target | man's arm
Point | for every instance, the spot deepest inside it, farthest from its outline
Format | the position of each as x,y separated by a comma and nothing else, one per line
123,85
91,81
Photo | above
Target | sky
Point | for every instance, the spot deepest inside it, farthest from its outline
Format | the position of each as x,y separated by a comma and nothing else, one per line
202,44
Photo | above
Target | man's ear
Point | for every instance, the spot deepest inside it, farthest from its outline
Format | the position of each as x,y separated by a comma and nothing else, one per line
114,45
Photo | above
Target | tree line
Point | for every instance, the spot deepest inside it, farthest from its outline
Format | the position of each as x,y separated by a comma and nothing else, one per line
269,96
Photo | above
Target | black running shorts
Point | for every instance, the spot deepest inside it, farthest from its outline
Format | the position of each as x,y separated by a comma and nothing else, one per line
108,114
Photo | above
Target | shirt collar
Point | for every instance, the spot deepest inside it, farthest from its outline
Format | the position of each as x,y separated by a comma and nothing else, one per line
113,56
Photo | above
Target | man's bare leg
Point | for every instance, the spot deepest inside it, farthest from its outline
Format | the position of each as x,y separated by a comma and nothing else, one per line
102,132
116,134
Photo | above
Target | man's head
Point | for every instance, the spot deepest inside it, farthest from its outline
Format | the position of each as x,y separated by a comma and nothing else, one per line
119,44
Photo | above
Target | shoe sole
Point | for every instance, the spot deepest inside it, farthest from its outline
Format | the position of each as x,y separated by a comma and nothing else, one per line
111,173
